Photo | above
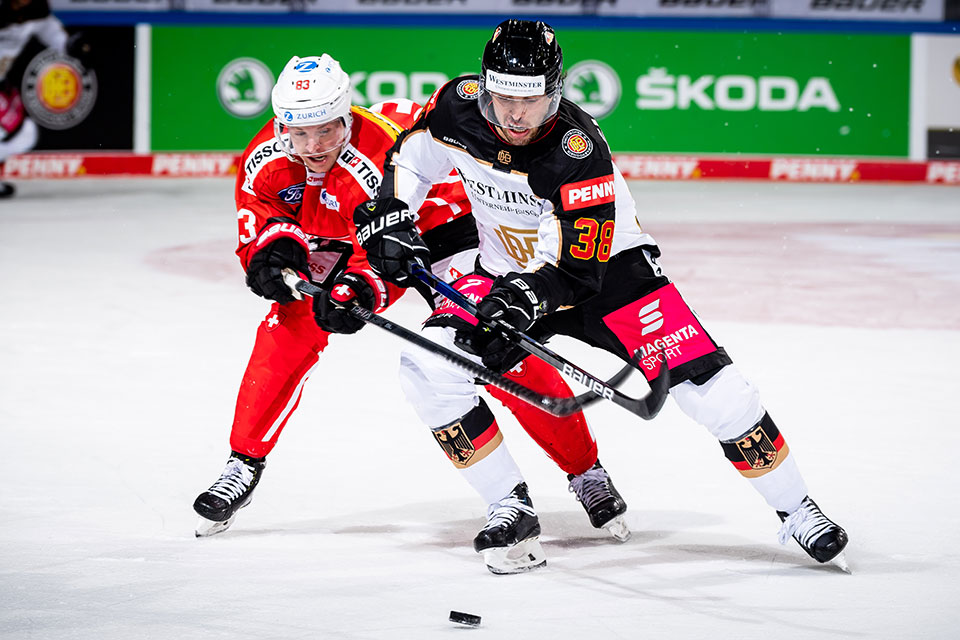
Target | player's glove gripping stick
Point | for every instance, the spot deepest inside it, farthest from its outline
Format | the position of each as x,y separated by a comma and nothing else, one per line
646,407
559,407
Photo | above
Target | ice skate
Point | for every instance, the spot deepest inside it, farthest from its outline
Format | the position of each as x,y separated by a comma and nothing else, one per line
218,505
510,541
823,539
601,500
6,190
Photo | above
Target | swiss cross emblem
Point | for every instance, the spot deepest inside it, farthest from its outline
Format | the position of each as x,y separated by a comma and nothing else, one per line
273,320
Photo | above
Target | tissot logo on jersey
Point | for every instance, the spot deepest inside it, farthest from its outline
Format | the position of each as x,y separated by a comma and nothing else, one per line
361,168
264,153
587,193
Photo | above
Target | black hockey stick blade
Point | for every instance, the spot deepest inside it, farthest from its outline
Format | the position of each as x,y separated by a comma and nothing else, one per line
647,407
559,407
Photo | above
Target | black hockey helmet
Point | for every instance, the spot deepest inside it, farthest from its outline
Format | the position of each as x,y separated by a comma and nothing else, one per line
522,60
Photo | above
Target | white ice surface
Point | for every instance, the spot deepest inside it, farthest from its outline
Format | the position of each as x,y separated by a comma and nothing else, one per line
126,327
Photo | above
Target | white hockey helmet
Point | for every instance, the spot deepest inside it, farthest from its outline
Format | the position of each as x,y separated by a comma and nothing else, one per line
311,91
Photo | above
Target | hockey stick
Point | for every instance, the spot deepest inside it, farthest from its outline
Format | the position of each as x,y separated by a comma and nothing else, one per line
559,407
647,407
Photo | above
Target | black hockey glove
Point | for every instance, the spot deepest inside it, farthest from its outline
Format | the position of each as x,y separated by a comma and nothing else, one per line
332,309
512,300
281,244
387,232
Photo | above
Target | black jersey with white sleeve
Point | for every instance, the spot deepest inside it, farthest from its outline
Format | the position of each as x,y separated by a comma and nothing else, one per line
557,207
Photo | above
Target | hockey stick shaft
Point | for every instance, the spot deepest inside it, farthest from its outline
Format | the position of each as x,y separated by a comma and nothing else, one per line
559,407
647,407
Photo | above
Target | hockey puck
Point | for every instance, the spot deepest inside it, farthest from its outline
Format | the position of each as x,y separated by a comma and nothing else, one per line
465,618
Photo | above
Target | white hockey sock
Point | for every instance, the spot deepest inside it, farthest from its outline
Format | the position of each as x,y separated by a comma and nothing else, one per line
495,476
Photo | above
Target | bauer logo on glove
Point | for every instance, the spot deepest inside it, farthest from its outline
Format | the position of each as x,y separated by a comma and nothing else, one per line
386,230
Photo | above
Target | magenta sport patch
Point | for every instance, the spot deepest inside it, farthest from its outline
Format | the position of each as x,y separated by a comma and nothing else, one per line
473,287
659,326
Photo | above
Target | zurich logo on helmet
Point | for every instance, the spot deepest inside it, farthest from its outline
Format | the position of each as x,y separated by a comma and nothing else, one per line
287,116
306,65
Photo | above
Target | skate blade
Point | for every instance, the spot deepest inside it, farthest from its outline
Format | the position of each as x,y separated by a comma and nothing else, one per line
618,529
840,562
206,528
523,556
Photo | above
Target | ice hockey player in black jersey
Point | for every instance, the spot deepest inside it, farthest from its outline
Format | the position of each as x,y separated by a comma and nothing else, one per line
561,252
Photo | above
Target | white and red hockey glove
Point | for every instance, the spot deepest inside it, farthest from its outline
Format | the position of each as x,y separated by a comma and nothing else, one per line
281,244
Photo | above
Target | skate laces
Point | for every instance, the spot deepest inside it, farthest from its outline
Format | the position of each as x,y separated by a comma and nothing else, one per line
234,480
806,524
591,487
505,512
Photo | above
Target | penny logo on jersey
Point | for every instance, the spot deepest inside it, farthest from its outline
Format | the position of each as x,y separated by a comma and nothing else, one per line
57,91
576,144
468,89
587,193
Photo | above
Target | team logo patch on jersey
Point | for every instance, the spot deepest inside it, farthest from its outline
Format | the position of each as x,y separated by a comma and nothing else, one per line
468,89
504,157
576,144
456,444
587,193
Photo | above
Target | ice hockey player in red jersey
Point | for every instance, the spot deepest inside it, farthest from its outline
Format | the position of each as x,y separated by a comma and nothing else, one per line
299,181
562,252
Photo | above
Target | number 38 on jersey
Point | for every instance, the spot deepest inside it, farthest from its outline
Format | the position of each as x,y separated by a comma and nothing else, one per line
595,239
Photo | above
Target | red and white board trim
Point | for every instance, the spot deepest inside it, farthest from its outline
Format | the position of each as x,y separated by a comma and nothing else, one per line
46,165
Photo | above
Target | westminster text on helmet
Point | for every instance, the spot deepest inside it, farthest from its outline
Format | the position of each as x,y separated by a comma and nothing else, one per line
519,86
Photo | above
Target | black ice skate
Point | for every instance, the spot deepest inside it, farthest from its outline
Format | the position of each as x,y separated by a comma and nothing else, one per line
510,540
601,500
819,536
6,190
218,505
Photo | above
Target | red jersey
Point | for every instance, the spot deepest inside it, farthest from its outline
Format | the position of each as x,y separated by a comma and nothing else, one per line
270,184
